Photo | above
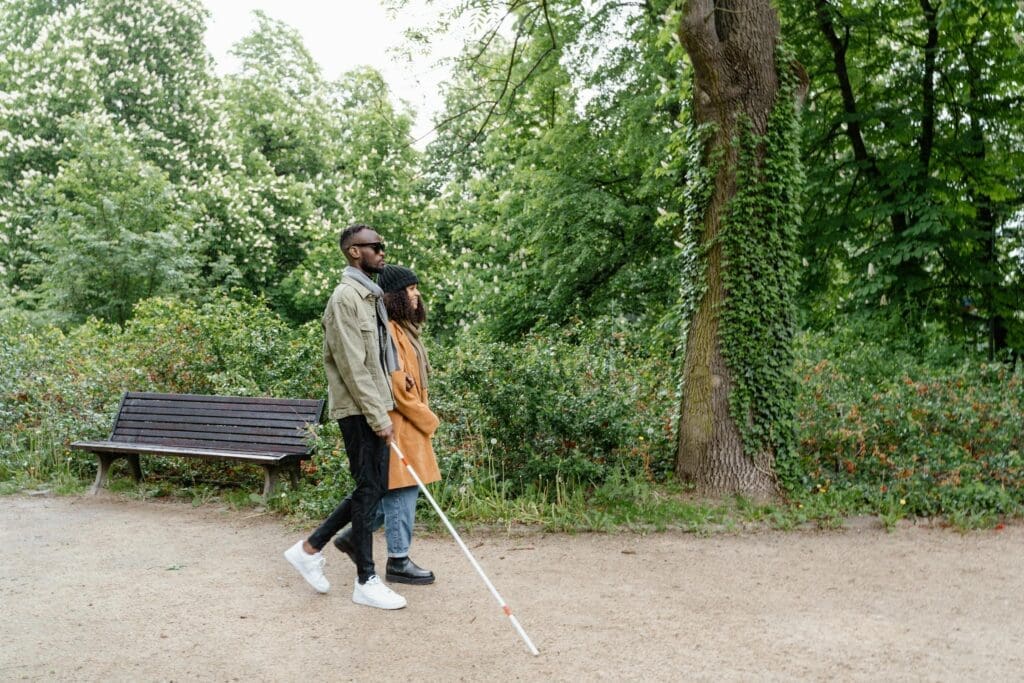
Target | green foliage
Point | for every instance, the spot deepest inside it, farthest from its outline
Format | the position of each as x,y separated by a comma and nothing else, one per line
621,501
759,275
914,191
563,186
255,173
371,180
552,411
549,181
551,423
907,433
318,155
144,71
111,230
59,387
572,430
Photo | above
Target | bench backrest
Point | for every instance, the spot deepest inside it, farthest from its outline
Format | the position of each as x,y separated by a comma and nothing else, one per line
228,423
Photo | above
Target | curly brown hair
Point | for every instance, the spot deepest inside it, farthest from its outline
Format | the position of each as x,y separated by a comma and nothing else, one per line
400,309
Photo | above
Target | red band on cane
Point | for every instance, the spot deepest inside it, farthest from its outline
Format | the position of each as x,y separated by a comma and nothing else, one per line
507,610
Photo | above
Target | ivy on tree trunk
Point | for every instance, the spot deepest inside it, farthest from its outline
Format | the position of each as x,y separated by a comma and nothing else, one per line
737,403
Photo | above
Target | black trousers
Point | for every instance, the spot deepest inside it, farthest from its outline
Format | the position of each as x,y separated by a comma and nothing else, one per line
368,459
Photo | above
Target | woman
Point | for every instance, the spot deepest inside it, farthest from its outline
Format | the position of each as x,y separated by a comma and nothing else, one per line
414,424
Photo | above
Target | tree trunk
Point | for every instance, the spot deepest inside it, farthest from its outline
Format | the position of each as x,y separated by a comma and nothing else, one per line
732,47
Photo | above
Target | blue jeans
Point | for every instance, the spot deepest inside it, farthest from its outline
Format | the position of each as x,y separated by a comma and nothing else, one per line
397,513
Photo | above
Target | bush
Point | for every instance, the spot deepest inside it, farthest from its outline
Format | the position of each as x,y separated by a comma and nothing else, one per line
907,436
552,410
529,417
895,430
111,229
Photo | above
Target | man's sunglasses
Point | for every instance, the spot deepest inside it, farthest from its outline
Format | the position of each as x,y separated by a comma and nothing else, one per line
376,246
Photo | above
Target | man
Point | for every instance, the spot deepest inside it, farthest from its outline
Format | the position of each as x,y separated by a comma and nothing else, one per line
359,357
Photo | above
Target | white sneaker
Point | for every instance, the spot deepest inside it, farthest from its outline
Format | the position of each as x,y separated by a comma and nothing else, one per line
310,566
373,593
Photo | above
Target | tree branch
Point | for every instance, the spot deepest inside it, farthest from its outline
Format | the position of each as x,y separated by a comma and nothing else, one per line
853,131
927,139
697,27
507,79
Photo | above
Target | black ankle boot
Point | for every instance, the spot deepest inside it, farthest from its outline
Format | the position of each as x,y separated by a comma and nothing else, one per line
404,570
343,543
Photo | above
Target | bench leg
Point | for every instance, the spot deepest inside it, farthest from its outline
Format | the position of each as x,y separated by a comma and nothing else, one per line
271,473
136,466
102,470
293,475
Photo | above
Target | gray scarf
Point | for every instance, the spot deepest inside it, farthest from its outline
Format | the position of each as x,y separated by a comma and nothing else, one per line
412,331
388,352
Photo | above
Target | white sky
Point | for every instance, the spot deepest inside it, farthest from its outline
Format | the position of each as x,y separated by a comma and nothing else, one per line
341,35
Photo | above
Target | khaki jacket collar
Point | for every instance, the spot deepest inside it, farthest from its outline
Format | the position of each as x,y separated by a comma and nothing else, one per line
358,286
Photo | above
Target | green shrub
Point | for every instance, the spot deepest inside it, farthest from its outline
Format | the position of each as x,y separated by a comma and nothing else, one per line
531,430
110,228
550,411
909,437
535,418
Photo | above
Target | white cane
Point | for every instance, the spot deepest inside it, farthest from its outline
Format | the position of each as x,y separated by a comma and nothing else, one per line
472,560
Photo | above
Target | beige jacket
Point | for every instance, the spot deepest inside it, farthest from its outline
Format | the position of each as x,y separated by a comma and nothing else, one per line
414,421
356,381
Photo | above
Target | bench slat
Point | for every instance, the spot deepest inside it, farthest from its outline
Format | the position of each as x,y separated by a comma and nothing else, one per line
215,444
298,433
204,398
206,407
157,449
284,426
216,417
127,432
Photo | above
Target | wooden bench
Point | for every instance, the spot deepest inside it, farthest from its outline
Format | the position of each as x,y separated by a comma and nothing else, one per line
271,432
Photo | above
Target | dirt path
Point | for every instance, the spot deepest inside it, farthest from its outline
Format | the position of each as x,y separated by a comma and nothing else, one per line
103,589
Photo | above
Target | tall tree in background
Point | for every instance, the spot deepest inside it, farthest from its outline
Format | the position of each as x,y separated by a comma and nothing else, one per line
737,404
111,230
143,67
914,144
372,180
279,112
264,163
548,173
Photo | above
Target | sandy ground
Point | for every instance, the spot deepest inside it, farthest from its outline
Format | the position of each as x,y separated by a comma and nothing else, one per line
106,589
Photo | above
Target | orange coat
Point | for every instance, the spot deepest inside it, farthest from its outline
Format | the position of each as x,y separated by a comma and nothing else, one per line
413,419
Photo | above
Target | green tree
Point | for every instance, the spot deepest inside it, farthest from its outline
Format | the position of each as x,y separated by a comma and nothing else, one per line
374,181
111,229
282,121
913,145
736,417
270,161
144,66
547,172
576,201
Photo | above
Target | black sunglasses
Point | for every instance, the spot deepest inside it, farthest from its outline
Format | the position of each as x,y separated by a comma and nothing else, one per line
376,246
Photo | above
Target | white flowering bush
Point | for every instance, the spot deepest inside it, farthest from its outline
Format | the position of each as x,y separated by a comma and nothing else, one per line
142,67
258,170
110,229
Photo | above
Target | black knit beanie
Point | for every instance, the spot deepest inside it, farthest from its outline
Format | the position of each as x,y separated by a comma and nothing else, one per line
396,278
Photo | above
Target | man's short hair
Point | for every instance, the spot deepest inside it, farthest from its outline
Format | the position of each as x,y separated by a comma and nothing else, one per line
349,233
